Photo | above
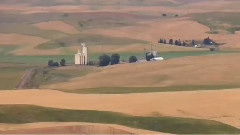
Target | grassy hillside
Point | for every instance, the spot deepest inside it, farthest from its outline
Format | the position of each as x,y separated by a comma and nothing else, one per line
219,21
28,114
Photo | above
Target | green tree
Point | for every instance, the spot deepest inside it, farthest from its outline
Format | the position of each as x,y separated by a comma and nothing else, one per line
149,56
55,64
164,41
63,62
208,41
133,59
50,63
171,41
115,58
176,42
104,60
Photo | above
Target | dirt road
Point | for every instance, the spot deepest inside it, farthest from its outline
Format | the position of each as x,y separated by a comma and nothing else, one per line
27,77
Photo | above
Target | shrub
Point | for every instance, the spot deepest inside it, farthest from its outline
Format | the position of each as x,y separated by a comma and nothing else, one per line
115,59
104,60
133,59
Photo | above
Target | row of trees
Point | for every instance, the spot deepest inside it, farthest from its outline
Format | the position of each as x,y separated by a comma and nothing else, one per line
105,60
176,42
206,41
51,63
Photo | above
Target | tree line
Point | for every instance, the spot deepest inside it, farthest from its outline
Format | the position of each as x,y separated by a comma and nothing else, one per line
62,62
206,41
105,60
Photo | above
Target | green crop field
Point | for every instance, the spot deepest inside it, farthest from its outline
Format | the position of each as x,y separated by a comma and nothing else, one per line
10,76
17,114
40,60
176,88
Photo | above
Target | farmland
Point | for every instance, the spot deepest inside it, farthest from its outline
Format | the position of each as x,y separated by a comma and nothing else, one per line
193,90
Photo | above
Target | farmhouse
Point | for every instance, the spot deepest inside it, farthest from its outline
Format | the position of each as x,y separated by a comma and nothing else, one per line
81,58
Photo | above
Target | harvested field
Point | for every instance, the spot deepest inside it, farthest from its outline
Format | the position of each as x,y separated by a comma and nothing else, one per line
176,95
213,105
26,43
90,39
172,28
81,126
154,30
23,40
174,125
69,128
57,25
199,70
139,48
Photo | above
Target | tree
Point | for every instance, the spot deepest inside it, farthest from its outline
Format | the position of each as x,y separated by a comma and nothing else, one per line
63,62
149,56
50,63
115,59
193,42
160,41
55,64
165,42
208,41
179,43
176,42
184,43
133,59
104,60
171,41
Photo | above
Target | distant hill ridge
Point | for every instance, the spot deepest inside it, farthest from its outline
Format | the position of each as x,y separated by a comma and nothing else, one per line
100,2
